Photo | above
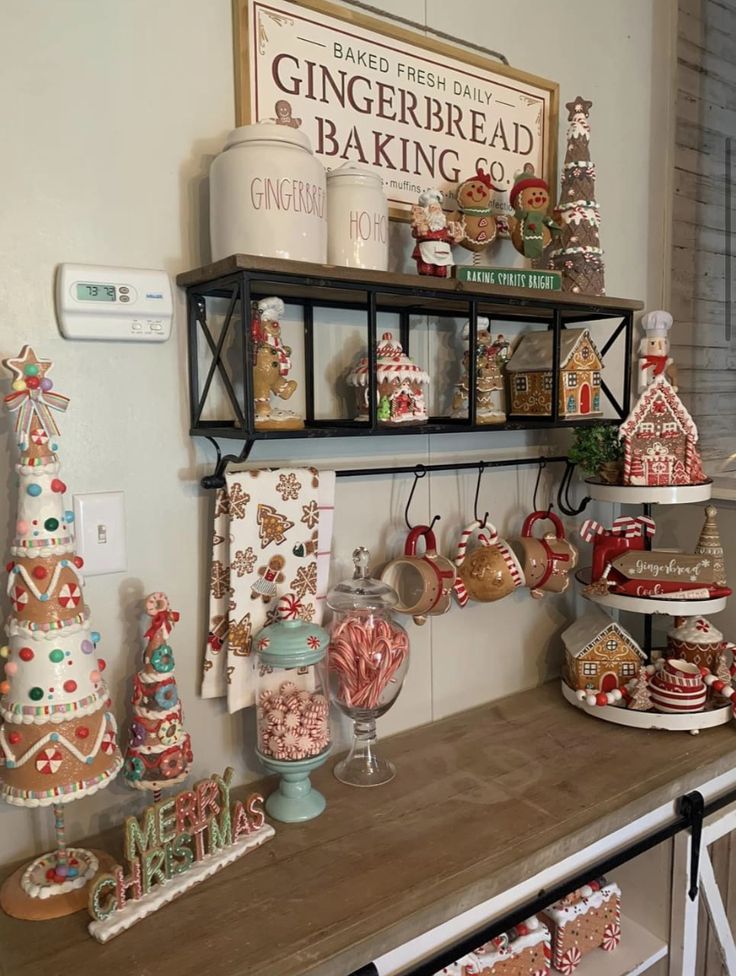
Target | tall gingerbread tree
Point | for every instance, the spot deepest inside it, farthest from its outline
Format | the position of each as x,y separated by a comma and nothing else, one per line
577,252
58,739
159,750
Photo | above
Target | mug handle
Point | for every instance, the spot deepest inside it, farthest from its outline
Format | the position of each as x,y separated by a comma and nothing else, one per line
530,520
417,533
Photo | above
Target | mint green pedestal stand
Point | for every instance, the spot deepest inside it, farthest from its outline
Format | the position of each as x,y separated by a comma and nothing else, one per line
295,800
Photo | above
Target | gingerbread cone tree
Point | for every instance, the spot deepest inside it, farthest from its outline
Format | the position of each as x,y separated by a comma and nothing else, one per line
709,545
159,752
640,700
58,740
577,252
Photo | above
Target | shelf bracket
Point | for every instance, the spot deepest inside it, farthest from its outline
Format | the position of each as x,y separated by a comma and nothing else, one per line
217,478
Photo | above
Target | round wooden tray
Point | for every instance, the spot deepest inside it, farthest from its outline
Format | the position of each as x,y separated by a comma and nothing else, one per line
640,604
692,722
644,495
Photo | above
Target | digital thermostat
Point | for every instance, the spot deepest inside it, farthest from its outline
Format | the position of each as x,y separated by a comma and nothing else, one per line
95,302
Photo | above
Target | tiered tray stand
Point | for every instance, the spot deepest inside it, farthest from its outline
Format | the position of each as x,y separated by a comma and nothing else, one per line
646,497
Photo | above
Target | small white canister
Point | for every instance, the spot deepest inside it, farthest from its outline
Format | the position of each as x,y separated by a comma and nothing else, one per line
268,196
357,219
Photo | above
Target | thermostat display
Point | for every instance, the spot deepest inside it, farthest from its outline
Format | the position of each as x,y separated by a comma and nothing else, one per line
96,302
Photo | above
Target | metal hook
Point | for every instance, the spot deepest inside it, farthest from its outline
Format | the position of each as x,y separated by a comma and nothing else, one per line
563,495
419,472
481,469
542,465
217,478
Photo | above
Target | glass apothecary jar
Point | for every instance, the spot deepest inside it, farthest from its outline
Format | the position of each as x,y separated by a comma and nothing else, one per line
368,660
292,714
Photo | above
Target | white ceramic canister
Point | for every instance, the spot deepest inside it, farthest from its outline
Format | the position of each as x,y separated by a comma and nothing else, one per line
268,196
357,219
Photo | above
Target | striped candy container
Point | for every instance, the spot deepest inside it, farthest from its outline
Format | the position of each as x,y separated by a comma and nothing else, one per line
678,686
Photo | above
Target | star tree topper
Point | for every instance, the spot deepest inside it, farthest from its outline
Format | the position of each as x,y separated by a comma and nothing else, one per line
31,394
577,106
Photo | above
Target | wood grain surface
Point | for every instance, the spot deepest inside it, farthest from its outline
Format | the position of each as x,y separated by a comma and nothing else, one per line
482,800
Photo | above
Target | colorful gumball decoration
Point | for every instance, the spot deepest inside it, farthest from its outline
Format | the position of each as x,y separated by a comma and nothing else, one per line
58,739
159,751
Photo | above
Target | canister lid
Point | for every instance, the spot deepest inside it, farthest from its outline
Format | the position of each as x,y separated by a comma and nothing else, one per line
362,592
291,644
353,173
268,132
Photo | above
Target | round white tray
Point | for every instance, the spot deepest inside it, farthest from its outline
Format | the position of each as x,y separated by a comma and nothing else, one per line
693,722
643,495
640,604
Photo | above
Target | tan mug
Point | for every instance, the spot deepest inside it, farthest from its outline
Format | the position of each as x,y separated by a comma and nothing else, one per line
489,572
547,561
424,584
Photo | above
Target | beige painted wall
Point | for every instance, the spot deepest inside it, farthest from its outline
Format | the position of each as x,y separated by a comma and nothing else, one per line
110,115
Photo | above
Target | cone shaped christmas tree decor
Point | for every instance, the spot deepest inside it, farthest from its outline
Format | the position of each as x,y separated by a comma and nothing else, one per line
709,544
577,252
58,740
159,752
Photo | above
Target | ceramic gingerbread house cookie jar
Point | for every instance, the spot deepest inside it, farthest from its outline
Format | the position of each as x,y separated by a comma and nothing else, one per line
400,385
600,655
659,438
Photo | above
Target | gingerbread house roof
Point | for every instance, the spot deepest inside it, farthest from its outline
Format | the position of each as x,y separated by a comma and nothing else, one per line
660,391
581,636
534,350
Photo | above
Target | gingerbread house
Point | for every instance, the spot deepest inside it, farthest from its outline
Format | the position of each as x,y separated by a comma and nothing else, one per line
530,375
525,949
659,438
585,919
599,654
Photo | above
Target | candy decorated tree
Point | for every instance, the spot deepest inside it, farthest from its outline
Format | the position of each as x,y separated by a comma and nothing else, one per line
159,751
58,739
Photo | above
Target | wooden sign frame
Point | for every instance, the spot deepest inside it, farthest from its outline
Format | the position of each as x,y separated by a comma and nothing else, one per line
502,140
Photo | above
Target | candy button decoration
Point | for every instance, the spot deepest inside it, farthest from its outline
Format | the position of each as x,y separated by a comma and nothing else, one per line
48,762
46,385
69,516
40,572
25,654
19,385
95,637
87,647
34,490
22,527
78,562
33,383
56,656
5,651
70,686
81,732
58,486
101,664
51,524
94,677
31,369
11,668
162,659
4,687
35,694
14,738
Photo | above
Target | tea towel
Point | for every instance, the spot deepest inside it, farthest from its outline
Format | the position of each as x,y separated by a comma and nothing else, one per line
270,549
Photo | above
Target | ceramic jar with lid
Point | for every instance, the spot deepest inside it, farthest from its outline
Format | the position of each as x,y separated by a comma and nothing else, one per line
268,196
368,660
292,713
357,219
400,384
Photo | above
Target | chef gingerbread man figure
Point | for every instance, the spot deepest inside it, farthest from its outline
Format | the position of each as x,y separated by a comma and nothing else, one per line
654,349
434,234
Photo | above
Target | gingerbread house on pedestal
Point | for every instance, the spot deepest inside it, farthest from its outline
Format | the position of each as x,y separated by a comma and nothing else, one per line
599,654
659,438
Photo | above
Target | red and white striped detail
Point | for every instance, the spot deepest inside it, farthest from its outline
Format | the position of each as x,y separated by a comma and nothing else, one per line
109,743
19,598
70,595
48,761
611,936
570,961
517,574
39,436
486,536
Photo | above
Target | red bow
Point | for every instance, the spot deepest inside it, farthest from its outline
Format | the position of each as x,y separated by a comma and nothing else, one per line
658,362
164,620
485,178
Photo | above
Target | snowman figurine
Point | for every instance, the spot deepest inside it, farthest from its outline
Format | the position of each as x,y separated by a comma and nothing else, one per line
654,350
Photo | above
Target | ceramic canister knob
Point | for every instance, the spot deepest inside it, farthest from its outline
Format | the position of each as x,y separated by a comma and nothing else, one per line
424,584
357,219
678,687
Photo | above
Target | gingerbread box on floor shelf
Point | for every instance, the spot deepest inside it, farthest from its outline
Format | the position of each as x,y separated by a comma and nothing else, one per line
522,951
584,920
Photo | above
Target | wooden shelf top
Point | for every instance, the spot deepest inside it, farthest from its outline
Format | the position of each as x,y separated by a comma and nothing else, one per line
482,800
406,290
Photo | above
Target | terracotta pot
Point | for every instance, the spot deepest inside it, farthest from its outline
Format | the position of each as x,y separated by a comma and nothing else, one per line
678,687
425,583
489,572
547,561
611,472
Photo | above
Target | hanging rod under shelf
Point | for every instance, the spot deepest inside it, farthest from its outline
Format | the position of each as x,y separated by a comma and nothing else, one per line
449,466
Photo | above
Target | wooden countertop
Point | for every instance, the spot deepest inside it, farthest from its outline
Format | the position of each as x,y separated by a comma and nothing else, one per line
482,800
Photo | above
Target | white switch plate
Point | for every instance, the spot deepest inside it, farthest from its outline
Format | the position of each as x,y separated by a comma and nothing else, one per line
99,518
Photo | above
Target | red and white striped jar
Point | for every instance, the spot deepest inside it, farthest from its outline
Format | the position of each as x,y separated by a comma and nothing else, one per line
678,687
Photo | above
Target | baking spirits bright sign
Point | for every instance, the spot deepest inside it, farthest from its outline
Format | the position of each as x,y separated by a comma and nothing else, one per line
420,113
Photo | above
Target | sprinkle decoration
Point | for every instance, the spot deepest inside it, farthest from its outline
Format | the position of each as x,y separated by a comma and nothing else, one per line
365,654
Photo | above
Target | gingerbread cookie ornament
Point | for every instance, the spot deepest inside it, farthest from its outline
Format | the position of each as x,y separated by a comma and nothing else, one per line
474,199
532,229
159,751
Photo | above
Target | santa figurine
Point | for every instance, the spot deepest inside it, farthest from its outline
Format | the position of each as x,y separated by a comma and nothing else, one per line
654,350
434,234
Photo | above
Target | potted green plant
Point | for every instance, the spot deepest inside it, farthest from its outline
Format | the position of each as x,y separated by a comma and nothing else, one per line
599,452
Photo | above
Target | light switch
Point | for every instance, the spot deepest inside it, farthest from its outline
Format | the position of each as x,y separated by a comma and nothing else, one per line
99,518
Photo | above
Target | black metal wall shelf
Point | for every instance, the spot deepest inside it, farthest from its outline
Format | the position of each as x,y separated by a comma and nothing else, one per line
223,341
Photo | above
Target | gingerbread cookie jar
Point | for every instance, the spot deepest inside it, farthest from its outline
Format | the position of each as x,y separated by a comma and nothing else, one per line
400,384
697,640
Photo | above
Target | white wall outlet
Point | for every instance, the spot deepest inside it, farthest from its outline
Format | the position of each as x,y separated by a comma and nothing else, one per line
99,518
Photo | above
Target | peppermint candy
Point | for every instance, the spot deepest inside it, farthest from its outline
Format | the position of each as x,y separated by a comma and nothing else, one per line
611,936
49,761
570,961
70,595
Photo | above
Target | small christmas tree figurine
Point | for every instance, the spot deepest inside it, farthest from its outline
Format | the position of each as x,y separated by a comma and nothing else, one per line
709,545
159,752
640,700
58,739
578,254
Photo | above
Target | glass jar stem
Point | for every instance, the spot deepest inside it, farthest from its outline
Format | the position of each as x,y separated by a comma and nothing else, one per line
361,766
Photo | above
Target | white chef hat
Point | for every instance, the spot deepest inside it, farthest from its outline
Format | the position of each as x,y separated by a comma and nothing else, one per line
657,323
430,196
483,323
271,309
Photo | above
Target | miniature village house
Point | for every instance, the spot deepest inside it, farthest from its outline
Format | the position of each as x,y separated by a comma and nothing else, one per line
599,654
659,438
530,375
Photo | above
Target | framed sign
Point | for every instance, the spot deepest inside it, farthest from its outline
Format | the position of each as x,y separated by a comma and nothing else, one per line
420,112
